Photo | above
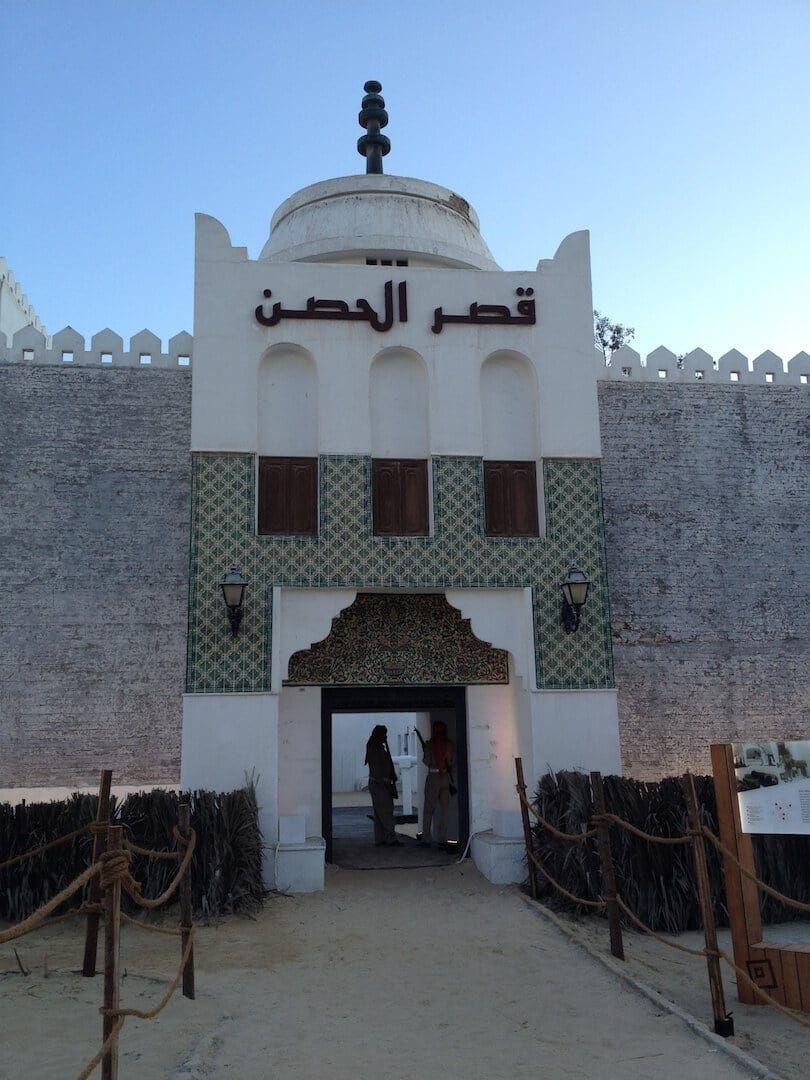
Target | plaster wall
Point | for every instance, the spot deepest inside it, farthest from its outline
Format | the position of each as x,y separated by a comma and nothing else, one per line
503,617
575,730
351,217
498,720
227,739
399,405
304,616
287,404
16,311
499,729
229,344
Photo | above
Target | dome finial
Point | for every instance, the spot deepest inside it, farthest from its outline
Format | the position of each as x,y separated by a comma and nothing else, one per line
373,146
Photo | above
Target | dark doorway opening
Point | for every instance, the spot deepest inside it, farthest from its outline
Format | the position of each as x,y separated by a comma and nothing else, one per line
447,702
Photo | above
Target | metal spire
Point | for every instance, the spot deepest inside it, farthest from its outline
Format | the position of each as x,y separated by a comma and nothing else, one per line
373,146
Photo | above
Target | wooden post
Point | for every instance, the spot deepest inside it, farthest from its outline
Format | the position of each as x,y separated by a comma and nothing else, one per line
99,846
185,904
742,895
723,1023
112,952
527,828
606,866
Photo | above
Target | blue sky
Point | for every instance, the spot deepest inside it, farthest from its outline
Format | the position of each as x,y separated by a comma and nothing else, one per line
677,131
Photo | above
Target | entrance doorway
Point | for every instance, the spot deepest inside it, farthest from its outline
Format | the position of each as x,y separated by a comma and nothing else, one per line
447,703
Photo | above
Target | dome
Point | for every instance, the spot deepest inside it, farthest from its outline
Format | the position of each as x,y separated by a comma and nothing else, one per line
378,217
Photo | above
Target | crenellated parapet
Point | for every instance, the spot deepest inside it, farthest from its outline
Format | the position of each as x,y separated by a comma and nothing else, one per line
662,366
30,346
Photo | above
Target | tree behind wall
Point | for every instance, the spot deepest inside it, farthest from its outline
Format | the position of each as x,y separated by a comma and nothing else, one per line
609,336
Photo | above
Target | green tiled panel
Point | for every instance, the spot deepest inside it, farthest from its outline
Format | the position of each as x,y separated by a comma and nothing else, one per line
345,555
575,537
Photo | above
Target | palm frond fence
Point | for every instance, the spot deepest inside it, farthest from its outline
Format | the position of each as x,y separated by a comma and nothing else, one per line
649,856
98,889
656,881
226,870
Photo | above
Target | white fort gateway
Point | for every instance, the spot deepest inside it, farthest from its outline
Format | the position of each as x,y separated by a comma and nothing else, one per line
396,446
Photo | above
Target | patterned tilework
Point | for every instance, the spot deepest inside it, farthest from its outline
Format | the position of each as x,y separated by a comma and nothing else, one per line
222,536
573,495
400,639
345,555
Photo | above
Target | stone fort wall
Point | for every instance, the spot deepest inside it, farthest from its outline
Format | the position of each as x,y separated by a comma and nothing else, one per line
706,496
94,524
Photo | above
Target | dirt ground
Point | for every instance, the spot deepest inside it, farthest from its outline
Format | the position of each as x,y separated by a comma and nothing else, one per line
764,1034
387,974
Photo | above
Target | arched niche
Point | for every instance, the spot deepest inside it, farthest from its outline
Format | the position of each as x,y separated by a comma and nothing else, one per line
398,403
287,424
509,408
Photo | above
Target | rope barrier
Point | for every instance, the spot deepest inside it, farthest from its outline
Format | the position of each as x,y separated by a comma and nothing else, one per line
46,847
686,838
122,1014
39,916
154,929
113,867
562,889
718,843
85,909
133,887
141,1014
105,1047
631,915
720,953
575,838
150,853
606,819
614,819
680,948
762,993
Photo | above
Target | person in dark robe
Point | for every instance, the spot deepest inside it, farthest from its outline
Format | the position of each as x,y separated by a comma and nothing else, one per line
382,786
439,755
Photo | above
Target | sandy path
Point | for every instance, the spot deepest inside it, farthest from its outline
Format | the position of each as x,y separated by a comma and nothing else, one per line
386,974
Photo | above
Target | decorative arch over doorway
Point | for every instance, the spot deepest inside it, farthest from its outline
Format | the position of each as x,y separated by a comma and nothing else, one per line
399,639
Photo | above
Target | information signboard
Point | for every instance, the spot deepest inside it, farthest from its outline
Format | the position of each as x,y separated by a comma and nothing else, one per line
773,786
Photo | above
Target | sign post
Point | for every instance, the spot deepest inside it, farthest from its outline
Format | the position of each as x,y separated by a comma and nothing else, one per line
760,787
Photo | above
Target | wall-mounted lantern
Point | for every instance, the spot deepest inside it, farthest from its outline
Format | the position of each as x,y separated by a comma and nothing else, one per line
575,593
233,587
